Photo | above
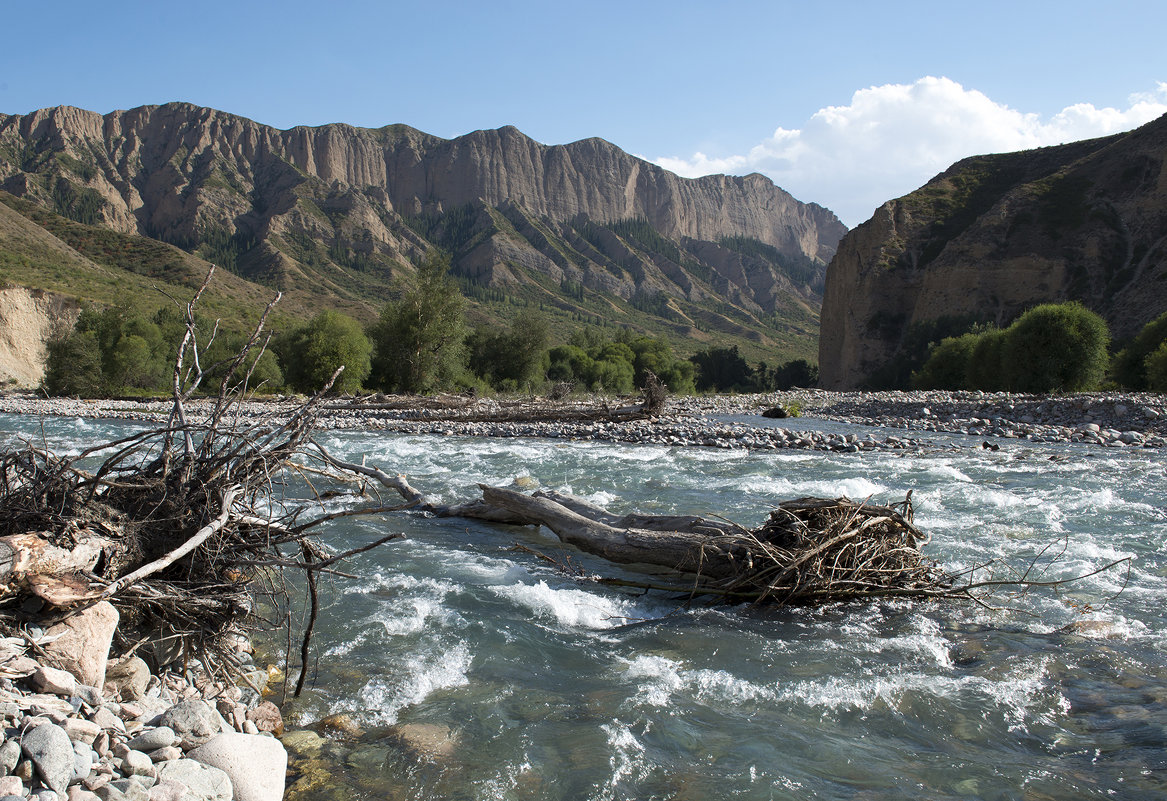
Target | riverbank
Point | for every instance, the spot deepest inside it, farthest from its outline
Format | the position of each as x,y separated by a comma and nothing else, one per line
86,724
1103,419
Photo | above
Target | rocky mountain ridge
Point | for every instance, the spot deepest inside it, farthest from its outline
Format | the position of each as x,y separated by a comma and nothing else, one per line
992,236
348,210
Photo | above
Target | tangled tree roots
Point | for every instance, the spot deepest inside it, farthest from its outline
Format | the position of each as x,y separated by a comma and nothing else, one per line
179,527
813,550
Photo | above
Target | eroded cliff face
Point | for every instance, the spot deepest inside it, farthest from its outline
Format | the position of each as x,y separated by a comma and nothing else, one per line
29,318
308,204
992,236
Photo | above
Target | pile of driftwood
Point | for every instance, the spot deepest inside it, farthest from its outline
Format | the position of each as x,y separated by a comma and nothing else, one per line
180,527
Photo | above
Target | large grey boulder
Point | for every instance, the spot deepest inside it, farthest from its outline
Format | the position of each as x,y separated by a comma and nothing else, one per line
193,722
49,748
127,679
206,783
257,764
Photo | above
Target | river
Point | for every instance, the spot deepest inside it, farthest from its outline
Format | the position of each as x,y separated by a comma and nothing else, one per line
556,688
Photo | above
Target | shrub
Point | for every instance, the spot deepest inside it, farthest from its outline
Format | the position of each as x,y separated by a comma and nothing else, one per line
1056,347
985,365
73,366
948,365
311,354
1130,365
1156,369
512,358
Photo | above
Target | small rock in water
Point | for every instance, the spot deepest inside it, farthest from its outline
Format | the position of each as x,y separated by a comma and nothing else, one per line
426,740
341,724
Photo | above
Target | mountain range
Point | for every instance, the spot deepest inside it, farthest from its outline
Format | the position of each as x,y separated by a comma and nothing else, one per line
339,216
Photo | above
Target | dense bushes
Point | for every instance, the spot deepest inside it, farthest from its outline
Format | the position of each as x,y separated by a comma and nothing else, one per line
313,353
1050,348
722,369
1133,363
620,365
1156,369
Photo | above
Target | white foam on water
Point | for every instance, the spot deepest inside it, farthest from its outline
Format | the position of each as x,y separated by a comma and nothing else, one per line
572,608
404,685
1017,695
346,647
660,680
764,486
927,642
944,470
601,498
413,615
626,762
856,488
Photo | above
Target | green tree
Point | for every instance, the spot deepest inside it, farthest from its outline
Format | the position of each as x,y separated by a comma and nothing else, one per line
947,366
985,367
1056,347
313,353
264,368
795,373
512,358
1156,369
73,366
419,339
1130,365
722,369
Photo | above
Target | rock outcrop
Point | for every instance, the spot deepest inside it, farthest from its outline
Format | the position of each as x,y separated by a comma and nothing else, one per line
992,236
29,318
347,209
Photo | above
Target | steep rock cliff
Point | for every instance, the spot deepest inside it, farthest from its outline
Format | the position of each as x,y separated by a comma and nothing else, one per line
992,236
347,209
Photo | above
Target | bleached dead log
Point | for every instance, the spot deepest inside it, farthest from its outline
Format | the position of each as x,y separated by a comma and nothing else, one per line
695,554
691,524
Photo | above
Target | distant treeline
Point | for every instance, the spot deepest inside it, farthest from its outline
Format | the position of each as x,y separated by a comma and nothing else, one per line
421,343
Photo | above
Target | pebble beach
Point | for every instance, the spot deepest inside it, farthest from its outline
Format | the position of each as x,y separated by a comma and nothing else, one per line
899,420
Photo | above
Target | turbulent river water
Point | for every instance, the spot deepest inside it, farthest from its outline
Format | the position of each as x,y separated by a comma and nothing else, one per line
560,689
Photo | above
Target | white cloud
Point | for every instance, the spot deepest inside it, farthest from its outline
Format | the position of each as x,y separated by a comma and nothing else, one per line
893,138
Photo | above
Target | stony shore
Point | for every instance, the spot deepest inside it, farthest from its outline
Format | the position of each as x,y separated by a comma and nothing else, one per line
902,420
84,726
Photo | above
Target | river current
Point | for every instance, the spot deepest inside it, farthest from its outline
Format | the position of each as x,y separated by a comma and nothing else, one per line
556,688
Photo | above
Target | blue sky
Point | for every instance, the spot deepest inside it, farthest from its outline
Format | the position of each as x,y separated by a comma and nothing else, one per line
846,104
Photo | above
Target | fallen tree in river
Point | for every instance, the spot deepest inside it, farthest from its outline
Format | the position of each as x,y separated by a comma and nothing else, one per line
809,551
